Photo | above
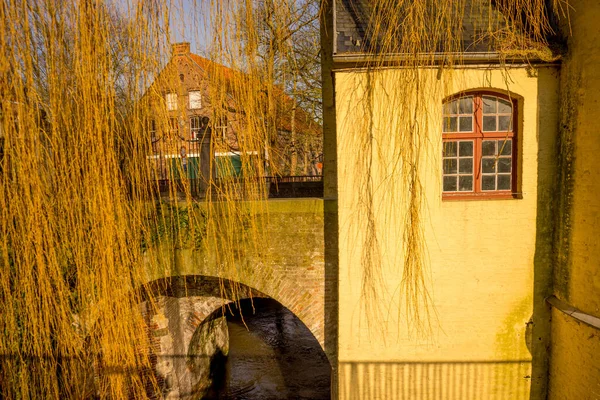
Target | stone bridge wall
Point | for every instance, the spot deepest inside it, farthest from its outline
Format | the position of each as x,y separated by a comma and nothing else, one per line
288,266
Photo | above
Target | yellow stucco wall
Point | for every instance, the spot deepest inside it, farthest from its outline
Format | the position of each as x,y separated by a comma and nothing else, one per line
480,254
575,347
582,81
574,366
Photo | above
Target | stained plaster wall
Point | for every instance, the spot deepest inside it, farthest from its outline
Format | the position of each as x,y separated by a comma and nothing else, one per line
485,257
574,365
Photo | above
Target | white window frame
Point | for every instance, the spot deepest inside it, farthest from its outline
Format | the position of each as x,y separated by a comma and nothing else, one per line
171,100
196,130
194,104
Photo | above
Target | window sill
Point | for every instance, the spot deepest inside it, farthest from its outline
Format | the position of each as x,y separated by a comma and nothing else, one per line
481,196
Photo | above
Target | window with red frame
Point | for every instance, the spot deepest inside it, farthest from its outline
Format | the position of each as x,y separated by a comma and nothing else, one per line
478,154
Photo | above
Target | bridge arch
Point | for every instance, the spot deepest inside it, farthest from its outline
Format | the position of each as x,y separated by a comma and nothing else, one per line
271,355
187,331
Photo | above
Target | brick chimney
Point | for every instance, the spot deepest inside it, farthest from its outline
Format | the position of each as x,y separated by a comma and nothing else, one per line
180,49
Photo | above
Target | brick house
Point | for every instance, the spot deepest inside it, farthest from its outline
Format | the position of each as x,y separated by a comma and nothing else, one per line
196,129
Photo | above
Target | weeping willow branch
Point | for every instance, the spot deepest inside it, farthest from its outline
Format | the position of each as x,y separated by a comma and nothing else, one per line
387,133
78,194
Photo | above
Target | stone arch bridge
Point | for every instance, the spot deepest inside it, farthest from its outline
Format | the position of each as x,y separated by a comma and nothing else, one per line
189,287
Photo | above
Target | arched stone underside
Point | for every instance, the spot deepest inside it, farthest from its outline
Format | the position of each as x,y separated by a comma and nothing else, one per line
185,322
272,355
300,289
198,285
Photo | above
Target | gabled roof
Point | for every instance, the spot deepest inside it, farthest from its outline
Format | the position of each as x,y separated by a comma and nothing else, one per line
212,67
304,123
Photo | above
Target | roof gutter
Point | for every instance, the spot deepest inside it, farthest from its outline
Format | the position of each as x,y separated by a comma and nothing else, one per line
434,59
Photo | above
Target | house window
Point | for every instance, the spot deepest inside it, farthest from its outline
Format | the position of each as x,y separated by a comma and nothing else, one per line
153,135
197,128
152,129
478,152
195,100
221,127
171,99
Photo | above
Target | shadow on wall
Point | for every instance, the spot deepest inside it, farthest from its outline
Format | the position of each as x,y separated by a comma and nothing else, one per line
435,380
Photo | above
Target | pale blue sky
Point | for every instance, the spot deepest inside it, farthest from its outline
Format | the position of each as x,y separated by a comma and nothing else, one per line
188,20
189,23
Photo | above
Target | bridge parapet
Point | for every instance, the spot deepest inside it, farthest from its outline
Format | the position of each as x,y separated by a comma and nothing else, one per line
275,187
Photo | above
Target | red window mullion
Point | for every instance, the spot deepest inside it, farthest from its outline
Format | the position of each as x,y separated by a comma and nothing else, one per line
515,139
477,144
477,165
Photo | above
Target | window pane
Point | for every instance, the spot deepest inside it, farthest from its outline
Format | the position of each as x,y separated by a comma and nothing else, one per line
465,124
446,109
465,183
504,164
505,147
489,123
449,149
465,105
488,165
503,182
450,166
449,124
489,105
504,123
488,182
465,149
171,100
465,166
450,184
451,107
195,100
488,148
504,106
194,127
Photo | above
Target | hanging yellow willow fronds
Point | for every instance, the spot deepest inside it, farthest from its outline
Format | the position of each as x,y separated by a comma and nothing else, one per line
400,41
78,193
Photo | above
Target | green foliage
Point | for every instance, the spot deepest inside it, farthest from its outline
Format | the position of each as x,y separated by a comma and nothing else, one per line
181,226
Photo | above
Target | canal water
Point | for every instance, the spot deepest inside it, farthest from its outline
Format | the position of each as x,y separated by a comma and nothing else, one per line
272,355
